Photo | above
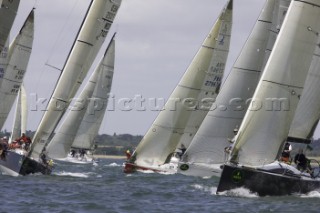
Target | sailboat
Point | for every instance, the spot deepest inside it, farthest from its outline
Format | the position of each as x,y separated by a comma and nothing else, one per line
206,153
189,102
254,163
92,33
82,123
18,58
8,12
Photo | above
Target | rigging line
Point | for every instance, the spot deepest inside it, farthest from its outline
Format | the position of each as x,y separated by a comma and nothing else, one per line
40,76
63,29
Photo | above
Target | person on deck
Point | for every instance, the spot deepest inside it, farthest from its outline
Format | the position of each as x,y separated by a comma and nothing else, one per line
183,150
128,154
23,138
4,142
27,143
285,155
303,163
43,156
73,153
228,149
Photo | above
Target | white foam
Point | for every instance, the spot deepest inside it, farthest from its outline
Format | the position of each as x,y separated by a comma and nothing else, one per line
114,165
312,194
71,174
239,192
211,189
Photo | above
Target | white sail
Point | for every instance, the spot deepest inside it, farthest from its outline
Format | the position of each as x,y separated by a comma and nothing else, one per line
92,120
91,36
8,12
208,145
201,80
20,116
308,111
267,122
18,59
214,80
82,123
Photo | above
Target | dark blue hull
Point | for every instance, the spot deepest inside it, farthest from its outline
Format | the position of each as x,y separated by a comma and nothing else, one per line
16,164
264,182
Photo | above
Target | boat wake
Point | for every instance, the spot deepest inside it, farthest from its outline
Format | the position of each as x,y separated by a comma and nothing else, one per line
114,165
312,194
211,189
239,192
73,174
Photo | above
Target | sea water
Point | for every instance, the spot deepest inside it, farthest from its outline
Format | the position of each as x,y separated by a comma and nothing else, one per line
104,187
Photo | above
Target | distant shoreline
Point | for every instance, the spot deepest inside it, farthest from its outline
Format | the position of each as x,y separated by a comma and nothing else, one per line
109,156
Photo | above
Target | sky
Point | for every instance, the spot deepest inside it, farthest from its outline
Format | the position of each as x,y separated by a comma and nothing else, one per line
155,42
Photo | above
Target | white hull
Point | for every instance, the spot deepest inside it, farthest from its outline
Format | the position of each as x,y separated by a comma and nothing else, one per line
78,160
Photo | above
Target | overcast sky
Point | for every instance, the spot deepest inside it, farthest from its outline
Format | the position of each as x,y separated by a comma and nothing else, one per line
155,43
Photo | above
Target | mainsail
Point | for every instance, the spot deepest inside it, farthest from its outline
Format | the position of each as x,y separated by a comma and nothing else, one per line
216,131
93,32
18,59
20,116
191,99
8,12
82,123
267,122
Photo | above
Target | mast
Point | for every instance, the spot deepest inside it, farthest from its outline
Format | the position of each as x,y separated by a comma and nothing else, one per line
92,35
88,109
266,124
181,117
218,127
18,59
8,12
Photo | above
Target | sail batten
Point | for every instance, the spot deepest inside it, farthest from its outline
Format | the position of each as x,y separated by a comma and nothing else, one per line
93,31
201,81
308,110
82,125
16,67
217,130
289,63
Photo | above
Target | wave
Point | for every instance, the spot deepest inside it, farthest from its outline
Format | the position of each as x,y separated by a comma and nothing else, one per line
312,194
113,165
211,189
239,192
73,174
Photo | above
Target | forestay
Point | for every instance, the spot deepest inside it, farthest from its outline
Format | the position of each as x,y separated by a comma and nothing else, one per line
82,122
191,99
93,32
267,122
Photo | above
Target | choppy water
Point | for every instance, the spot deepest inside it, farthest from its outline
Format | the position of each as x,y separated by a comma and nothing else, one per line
105,188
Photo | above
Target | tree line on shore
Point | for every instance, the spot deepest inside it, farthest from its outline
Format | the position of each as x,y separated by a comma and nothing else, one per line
117,144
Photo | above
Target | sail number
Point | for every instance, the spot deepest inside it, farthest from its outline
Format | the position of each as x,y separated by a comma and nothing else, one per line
214,83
